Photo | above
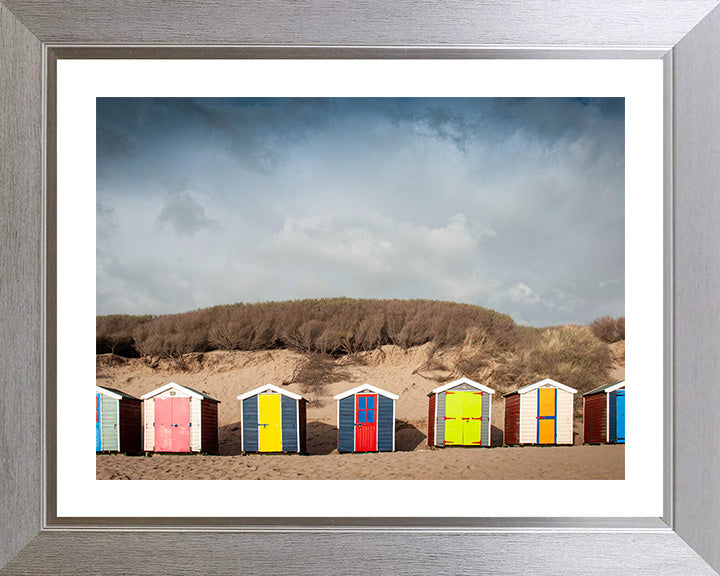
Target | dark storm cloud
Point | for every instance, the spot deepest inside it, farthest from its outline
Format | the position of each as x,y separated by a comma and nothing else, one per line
184,214
516,204
112,143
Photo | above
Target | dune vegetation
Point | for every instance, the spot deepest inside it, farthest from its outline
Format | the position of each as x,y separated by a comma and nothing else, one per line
490,347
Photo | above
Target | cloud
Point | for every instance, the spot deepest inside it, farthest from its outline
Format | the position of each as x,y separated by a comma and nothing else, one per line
184,214
522,293
112,143
513,204
374,255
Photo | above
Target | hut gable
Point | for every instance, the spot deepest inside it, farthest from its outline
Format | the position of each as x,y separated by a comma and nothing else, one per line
463,384
269,388
114,393
167,389
607,388
547,383
366,389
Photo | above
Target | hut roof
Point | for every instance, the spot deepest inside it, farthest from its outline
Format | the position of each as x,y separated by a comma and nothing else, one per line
360,389
114,393
540,384
192,392
607,388
269,387
460,381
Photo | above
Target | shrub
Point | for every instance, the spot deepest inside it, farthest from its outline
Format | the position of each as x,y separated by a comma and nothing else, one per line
327,326
609,329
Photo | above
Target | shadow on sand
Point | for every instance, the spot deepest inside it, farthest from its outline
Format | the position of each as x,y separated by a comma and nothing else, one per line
230,439
407,436
496,436
321,438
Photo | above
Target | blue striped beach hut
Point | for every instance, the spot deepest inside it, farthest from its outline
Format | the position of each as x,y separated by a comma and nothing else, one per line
366,420
273,420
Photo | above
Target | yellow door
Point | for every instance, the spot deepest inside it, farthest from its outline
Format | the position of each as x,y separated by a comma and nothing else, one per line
546,415
270,438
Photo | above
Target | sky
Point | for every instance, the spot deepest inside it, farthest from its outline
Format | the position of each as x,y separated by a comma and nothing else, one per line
515,204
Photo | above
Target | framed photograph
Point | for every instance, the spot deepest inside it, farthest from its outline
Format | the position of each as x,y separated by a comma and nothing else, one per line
92,114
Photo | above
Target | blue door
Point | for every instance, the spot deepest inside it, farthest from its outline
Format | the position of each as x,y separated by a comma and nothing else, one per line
620,407
98,427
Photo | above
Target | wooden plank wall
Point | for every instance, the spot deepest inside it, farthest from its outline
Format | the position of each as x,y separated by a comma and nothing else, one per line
195,424
528,417
564,416
149,420
385,424
210,432
512,420
109,423
595,418
486,427
131,425
431,420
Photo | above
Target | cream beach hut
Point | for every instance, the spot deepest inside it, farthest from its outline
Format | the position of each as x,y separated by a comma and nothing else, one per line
540,413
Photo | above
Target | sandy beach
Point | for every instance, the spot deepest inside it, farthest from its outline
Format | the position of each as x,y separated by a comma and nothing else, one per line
409,373
510,463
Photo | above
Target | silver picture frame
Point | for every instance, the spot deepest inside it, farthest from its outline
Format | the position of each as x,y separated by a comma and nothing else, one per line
684,34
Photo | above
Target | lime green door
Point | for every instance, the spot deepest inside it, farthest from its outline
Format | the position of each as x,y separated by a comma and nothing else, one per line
472,419
454,409
463,418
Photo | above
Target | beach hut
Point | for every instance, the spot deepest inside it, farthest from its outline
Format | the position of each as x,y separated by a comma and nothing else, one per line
118,421
604,414
366,420
459,414
541,413
273,420
180,419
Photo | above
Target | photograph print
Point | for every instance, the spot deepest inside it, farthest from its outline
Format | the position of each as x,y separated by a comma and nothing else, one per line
360,288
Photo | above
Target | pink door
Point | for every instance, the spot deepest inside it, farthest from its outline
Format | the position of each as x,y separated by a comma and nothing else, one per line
172,425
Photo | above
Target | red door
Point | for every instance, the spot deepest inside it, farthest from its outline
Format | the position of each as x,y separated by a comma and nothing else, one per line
366,423
172,425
